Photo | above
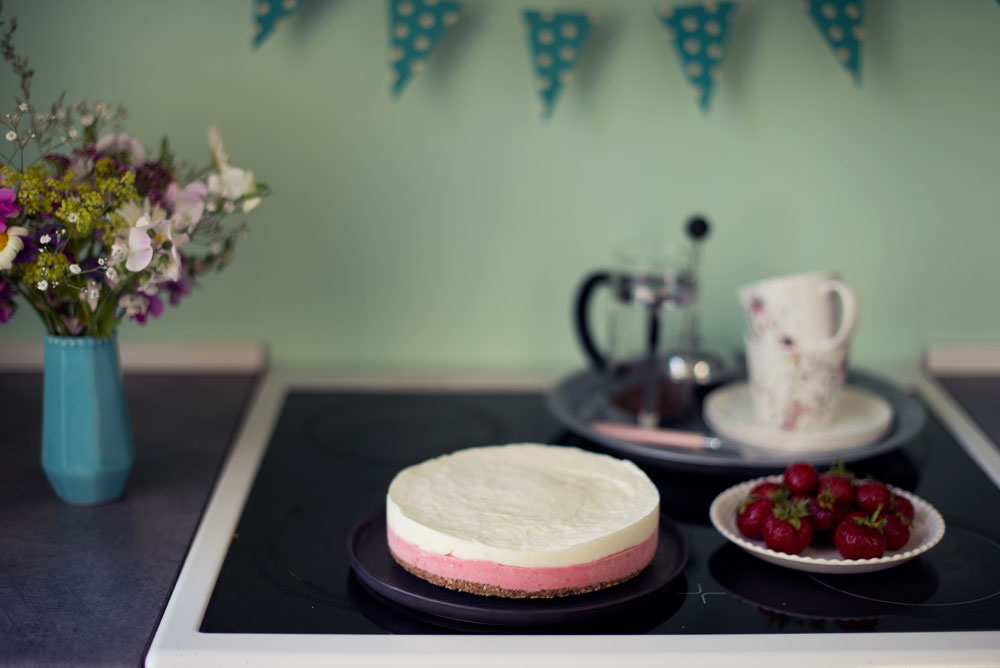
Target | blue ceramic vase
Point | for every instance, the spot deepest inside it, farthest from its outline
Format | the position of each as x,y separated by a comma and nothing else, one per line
87,447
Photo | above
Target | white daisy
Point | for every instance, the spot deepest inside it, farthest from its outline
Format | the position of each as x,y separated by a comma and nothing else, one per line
11,245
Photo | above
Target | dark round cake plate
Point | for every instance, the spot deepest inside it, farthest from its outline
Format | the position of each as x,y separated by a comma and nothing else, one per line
375,568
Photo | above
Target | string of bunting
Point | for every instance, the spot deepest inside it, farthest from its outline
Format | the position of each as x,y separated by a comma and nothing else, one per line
698,31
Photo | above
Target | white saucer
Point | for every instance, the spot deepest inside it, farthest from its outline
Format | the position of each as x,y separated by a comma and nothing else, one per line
861,417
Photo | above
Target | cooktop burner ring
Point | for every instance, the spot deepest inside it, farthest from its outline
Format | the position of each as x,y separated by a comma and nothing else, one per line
961,548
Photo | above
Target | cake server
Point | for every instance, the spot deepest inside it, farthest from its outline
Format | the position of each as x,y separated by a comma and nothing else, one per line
673,438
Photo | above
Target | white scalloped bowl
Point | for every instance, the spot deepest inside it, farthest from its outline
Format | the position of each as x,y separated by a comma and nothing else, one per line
926,531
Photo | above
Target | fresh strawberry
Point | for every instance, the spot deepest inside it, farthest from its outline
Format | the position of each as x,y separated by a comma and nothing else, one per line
900,504
860,537
801,478
840,482
896,531
788,528
751,514
824,511
769,490
851,513
872,495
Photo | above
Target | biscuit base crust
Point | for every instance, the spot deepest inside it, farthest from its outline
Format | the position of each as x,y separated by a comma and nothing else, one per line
482,589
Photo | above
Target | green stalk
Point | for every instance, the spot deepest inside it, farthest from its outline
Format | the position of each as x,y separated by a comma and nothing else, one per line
47,318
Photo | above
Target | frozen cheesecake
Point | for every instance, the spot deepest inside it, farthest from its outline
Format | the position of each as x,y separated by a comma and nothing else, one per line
523,520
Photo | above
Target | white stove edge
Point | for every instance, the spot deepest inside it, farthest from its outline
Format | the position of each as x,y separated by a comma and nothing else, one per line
178,642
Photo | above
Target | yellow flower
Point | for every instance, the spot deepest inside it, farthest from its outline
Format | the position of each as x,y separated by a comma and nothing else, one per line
11,245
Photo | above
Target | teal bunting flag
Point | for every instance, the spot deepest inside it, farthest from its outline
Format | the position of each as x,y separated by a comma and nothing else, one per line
269,14
555,40
415,26
699,33
841,22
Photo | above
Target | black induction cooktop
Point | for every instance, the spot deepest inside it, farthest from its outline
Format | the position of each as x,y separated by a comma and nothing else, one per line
332,455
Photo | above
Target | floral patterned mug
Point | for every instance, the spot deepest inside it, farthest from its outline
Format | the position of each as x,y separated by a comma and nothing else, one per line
795,388
798,336
801,310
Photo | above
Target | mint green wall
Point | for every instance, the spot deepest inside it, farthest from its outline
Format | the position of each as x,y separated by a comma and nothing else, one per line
449,228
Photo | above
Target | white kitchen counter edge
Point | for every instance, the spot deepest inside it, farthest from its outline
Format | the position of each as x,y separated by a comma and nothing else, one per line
178,642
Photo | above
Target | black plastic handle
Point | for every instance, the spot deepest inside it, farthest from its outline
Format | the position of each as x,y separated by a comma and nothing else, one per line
583,295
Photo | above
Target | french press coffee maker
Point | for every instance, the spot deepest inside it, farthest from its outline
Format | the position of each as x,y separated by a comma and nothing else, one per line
652,362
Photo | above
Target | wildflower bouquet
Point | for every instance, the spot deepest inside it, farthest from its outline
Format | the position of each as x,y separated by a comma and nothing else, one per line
92,228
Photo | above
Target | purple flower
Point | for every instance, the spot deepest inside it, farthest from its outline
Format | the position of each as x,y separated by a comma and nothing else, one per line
179,289
7,208
154,308
152,180
60,162
7,293
155,305
33,242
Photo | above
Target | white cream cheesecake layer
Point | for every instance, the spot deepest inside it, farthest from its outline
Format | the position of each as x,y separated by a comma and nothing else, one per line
523,505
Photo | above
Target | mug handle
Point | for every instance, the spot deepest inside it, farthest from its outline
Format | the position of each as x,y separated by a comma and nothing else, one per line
848,312
583,295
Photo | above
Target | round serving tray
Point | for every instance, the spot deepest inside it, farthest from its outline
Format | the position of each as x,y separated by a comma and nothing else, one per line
582,399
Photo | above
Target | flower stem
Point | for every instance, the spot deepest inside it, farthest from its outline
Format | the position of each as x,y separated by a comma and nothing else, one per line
47,318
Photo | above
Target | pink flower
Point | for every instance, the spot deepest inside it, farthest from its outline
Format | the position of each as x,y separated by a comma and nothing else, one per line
140,248
188,204
7,208
122,143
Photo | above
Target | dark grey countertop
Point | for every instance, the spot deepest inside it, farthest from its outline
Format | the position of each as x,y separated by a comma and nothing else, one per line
980,397
84,586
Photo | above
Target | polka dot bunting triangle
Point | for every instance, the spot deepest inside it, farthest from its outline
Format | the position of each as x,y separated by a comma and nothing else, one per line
699,34
415,26
841,22
556,40
269,14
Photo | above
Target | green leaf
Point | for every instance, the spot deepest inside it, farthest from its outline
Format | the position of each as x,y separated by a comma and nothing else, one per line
106,322
166,157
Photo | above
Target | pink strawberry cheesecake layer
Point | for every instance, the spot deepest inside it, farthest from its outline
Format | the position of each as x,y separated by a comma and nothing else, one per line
523,520
488,577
